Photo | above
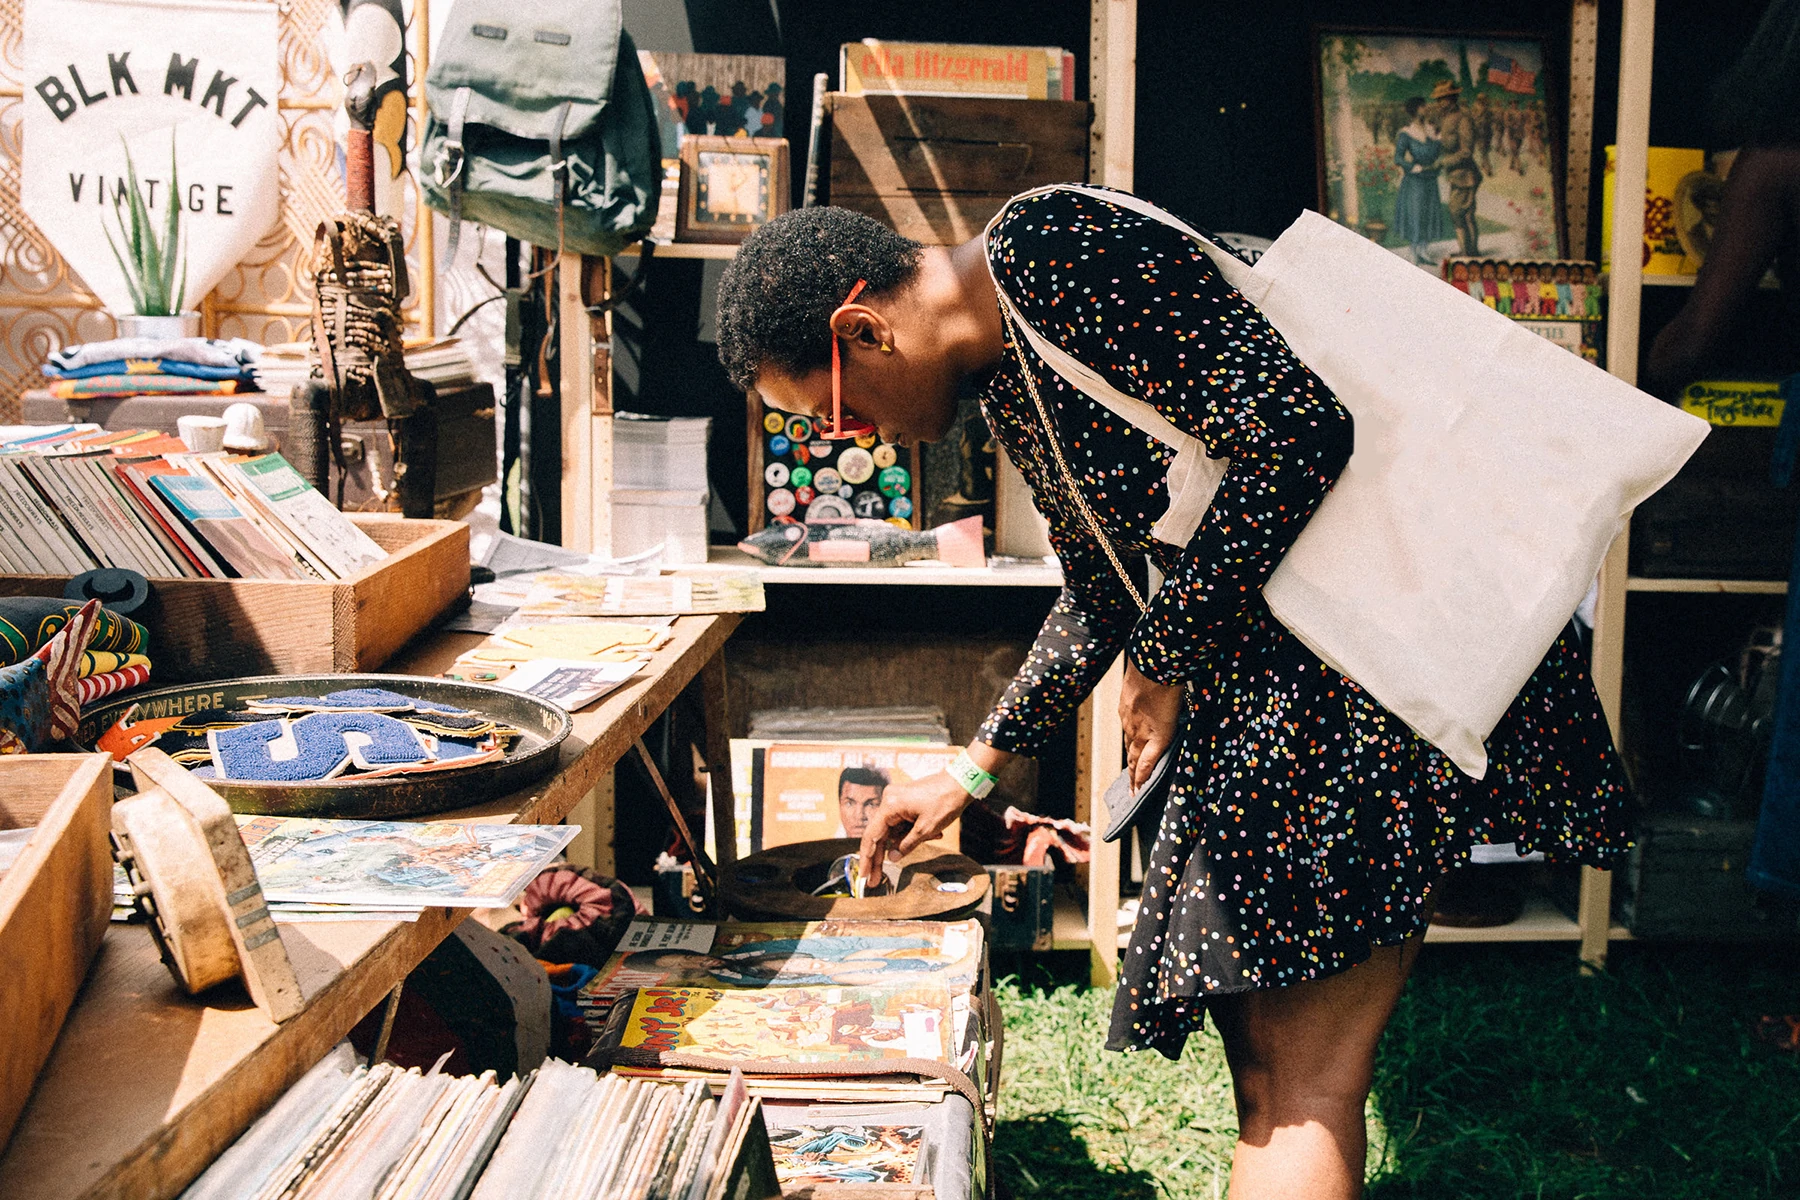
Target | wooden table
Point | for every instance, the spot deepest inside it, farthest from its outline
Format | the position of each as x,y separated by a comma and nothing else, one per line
147,1085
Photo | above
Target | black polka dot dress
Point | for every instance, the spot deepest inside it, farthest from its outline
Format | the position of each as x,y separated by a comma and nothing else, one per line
1306,823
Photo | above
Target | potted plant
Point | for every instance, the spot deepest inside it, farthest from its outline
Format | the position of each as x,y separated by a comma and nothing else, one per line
149,261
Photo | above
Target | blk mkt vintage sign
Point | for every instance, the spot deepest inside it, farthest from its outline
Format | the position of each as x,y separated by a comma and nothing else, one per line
191,83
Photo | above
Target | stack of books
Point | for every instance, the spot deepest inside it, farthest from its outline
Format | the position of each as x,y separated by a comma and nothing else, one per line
79,499
348,1130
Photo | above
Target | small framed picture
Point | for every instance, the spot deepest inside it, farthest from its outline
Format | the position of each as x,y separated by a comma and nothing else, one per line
1440,144
729,186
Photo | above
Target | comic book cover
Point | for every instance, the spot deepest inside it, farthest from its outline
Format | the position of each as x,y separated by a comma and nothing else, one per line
734,956
826,1151
404,862
810,791
787,1024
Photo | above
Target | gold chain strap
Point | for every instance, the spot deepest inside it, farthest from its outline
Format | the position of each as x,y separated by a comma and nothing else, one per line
1068,476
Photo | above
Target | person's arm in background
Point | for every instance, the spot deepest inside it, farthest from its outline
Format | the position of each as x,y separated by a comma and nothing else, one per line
1761,205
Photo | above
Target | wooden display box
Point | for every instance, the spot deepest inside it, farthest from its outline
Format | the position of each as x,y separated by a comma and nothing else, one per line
204,629
54,906
937,168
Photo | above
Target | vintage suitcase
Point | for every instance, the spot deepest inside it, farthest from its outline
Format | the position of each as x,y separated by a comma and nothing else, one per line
466,446
1720,517
937,168
1685,880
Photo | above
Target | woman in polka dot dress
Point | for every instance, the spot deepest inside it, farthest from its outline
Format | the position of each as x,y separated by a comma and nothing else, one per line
1290,880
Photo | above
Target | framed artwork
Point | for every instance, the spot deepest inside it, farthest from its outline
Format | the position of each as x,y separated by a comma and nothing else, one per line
715,95
1439,144
729,186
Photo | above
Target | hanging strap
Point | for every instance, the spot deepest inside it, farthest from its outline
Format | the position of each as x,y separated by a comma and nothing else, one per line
1194,476
449,169
559,171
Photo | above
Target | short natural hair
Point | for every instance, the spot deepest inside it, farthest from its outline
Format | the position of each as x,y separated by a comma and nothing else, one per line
777,296
862,777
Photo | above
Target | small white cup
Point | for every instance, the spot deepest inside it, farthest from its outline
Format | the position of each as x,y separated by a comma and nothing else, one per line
202,434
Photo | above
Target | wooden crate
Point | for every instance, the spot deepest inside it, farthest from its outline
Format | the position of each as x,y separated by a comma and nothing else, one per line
937,168
204,629
1685,880
54,906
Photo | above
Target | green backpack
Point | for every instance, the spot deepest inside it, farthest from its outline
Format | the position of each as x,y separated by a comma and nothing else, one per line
542,126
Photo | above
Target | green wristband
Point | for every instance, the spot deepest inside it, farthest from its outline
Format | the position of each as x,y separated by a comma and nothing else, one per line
975,781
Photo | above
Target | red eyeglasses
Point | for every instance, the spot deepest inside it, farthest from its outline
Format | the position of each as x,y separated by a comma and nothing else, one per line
840,428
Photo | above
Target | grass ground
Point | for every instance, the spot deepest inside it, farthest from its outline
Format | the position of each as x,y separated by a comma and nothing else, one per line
1505,1073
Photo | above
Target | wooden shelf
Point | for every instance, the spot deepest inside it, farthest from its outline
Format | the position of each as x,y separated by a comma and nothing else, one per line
923,575
683,250
1768,283
1541,921
1744,587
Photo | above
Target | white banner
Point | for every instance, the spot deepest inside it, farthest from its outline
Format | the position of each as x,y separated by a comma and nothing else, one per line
188,82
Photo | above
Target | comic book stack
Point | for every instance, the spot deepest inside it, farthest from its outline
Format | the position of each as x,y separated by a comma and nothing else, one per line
560,1131
868,1041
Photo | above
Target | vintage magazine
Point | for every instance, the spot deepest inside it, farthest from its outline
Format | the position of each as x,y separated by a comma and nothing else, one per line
784,1024
660,595
399,862
869,1144
785,954
811,791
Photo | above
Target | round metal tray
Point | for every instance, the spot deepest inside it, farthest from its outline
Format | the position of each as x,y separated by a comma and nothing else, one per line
543,725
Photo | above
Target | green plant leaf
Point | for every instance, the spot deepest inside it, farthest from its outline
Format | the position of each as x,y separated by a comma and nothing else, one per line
137,300
172,236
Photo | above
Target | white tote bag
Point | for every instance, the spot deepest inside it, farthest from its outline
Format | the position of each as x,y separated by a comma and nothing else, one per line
1491,472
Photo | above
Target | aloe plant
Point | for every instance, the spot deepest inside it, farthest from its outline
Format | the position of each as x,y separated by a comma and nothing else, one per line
149,268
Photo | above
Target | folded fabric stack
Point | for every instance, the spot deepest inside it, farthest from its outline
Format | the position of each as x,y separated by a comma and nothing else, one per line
57,656
149,366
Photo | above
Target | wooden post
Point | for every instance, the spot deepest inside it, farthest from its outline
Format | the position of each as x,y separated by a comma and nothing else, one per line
716,708
1112,86
1099,757
587,412
425,228
1637,44
1584,45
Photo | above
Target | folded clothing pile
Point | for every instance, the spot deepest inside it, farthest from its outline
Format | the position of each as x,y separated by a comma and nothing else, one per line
57,656
150,366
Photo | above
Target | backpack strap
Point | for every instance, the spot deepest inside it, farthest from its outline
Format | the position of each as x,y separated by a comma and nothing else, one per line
559,170
449,169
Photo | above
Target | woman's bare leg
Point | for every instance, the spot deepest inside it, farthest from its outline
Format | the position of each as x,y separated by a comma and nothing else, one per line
1302,1059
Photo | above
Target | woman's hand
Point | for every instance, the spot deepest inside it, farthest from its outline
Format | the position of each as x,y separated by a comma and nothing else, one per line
914,813
1147,711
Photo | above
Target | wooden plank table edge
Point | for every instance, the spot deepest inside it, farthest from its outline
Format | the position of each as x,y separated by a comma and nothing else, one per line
129,1001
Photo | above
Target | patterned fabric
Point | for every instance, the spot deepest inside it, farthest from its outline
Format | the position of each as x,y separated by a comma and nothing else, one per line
27,622
1305,823
90,688
39,703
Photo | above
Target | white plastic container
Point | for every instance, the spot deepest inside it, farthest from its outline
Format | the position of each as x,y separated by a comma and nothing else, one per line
643,519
